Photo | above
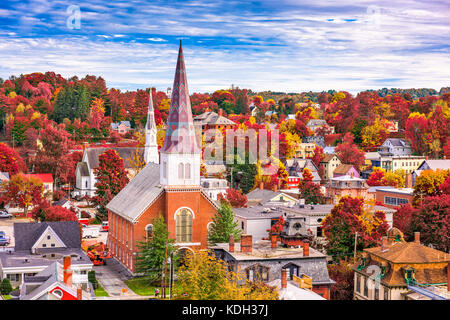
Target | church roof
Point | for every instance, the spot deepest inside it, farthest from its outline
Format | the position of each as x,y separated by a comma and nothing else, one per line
151,124
138,194
180,133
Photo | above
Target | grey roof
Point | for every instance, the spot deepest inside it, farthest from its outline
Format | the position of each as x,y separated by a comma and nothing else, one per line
211,117
4,176
257,212
126,153
316,122
61,201
138,194
397,142
443,164
26,234
83,169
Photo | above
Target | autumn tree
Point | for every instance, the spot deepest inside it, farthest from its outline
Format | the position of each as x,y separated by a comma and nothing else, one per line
234,198
46,212
342,272
224,225
10,161
111,178
428,183
349,153
22,192
402,218
309,190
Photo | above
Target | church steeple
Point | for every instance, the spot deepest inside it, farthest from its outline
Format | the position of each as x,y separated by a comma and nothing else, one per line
151,145
180,155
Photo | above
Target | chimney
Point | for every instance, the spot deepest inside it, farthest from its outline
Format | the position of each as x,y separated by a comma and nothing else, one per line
231,244
283,278
275,188
417,237
246,243
408,181
273,239
79,293
306,249
220,112
261,185
67,271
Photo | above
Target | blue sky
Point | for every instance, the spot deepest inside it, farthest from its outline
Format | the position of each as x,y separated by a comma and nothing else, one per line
279,45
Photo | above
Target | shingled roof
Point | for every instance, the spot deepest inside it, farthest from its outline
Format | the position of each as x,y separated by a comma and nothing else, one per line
126,153
212,118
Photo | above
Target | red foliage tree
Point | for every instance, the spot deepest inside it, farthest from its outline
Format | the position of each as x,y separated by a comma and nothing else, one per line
349,153
10,161
234,197
402,218
23,192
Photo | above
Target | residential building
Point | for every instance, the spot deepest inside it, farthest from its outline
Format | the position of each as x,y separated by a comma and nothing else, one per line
295,169
392,147
330,162
212,121
407,163
305,150
402,267
392,197
47,181
345,170
56,282
38,245
121,127
315,124
430,164
260,196
170,189
264,261
214,186
346,186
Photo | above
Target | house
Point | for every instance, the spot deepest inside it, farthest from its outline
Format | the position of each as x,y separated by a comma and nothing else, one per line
392,197
330,162
121,127
305,150
315,124
4,176
38,245
406,163
47,181
395,147
329,150
318,140
214,186
295,169
346,186
429,164
264,261
253,110
260,196
212,121
215,168
402,267
345,170
56,282
170,189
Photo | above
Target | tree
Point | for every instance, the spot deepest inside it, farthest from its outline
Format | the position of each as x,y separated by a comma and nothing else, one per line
111,178
10,161
5,286
349,153
234,198
432,220
349,216
402,218
204,277
23,192
428,183
309,190
343,274
151,253
223,225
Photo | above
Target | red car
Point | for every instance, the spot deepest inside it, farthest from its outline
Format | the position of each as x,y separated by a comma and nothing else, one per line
105,226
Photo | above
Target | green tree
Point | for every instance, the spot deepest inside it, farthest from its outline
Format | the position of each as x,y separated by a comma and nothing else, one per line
223,225
151,253
5,286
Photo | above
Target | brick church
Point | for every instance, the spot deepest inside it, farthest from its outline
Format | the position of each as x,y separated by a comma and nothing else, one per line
169,185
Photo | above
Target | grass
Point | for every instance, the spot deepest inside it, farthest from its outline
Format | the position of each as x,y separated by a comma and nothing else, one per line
100,292
143,287
6,296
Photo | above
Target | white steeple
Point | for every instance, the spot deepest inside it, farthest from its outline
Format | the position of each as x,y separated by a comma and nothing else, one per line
151,145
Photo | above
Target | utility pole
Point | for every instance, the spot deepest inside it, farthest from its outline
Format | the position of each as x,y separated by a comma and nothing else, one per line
354,251
165,270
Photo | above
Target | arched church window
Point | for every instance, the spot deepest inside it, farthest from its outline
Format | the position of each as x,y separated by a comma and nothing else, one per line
184,225
180,171
149,231
187,171
165,169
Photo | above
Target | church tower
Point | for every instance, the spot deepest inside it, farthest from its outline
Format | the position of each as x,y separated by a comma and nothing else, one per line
151,145
180,155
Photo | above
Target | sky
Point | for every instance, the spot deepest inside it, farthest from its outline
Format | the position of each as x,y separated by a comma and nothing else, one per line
277,45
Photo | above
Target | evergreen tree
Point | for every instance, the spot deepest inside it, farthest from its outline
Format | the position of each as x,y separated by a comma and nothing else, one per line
5,286
223,225
151,253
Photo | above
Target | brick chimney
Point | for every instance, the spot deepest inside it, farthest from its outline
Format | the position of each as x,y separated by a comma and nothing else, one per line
306,249
273,239
67,271
283,278
408,181
261,185
79,293
275,188
246,243
220,112
231,244
417,237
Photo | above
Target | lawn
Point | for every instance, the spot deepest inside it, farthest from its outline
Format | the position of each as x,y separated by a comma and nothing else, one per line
6,296
142,286
100,292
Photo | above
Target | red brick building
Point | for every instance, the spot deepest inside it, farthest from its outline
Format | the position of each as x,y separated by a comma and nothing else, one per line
170,189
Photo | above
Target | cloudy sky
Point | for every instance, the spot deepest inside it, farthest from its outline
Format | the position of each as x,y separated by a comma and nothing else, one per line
278,45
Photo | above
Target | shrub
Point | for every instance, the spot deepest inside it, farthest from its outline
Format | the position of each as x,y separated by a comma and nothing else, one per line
5,286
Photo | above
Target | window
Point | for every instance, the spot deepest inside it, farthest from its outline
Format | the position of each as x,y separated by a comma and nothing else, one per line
376,295
86,184
187,171
358,283
184,225
44,245
58,293
52,245
149,231
257,272
165,169
48,237
386,293
366,288
14,277
180,171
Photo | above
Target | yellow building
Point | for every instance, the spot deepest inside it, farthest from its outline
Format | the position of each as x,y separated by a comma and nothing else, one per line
407,163
330,162
305,150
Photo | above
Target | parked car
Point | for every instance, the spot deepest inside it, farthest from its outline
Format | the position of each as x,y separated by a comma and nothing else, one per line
4,240
105,226
5,214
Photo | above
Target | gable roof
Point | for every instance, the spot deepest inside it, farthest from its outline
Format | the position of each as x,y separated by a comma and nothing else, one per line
397,142
443,164
83,169
138,194
343,168
210,117
329,156
26,234
44,177
125,153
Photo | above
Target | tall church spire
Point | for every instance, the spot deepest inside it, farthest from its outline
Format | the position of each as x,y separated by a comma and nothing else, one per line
151,145
180,134
180,155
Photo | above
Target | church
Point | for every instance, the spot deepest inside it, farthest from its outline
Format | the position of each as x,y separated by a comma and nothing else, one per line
169,185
